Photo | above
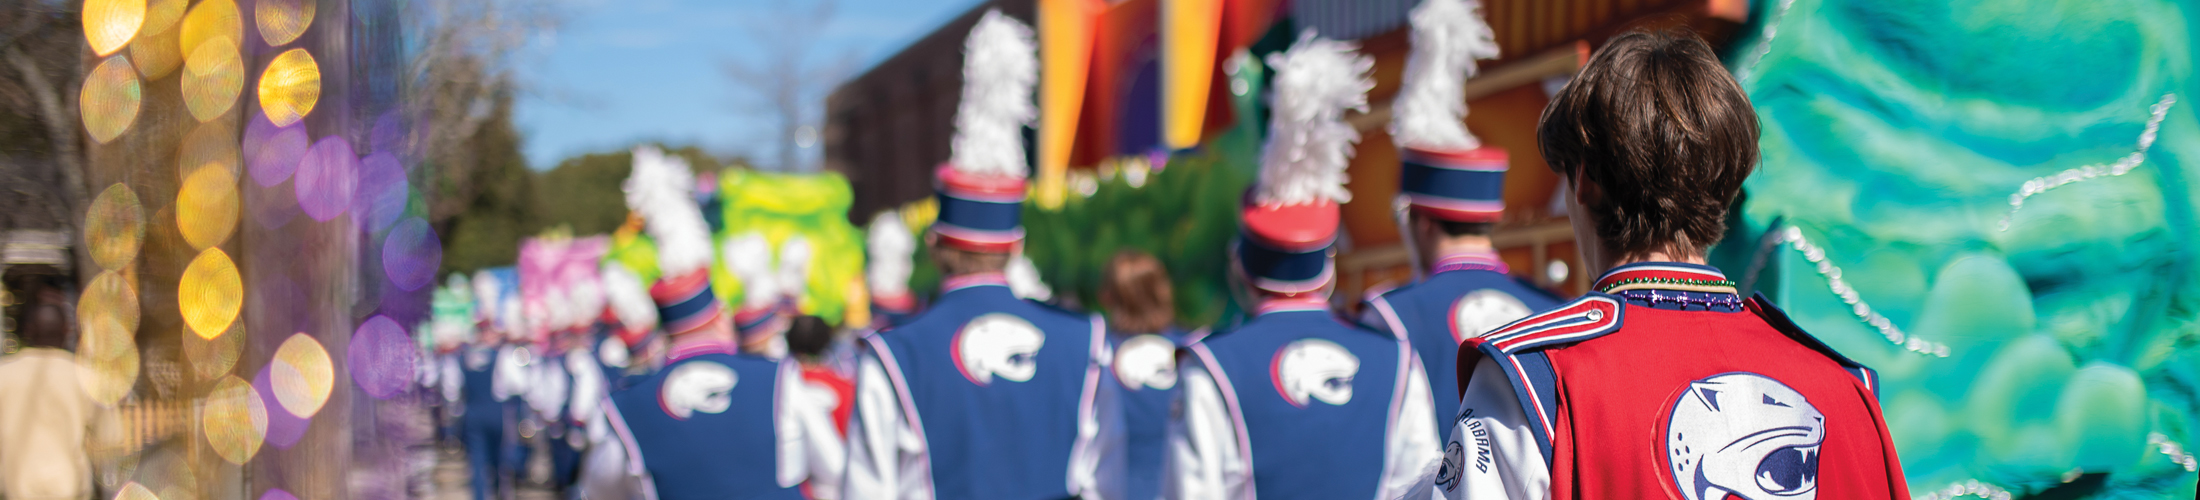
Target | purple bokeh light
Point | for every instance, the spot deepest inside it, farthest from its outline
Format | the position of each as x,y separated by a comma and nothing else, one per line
382,192
380,357
276,157
327,178
411,253
283,428
277,494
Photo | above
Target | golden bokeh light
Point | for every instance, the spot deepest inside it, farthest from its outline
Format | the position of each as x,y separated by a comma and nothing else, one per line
135,491
110,98
155,53
235,419
160,15
212,78
208,20
281,21
114,227
206,209
211,293
303,375
211,143
290,87
109,24
213,358
109,296
108,354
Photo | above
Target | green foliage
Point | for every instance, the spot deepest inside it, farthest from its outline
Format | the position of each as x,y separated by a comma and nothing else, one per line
488,232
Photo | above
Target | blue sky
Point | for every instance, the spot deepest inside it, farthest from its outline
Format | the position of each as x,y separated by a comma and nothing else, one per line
622,71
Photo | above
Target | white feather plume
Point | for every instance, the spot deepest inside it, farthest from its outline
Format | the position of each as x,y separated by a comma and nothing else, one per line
1309,143
660,189
891,250
487,295
1431,109
1000,67
794,265
749,256
628,297
1024,281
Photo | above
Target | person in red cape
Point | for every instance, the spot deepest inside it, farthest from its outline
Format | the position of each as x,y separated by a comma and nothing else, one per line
1663,382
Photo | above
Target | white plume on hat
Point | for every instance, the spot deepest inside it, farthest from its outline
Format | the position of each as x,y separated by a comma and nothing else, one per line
1000,67
628,297
749,256
1024,281
794,265
1309,143
1431,109
660,189
487,295
891,250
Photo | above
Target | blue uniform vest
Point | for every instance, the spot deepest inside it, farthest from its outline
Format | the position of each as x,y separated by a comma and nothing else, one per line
733,453
1145,405
1437,313
481,401
1310,448
989,434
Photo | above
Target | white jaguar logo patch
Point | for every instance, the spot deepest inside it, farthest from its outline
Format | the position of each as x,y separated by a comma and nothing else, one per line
998,345
1745,435
1314,369
1146,361
1482,311
699,386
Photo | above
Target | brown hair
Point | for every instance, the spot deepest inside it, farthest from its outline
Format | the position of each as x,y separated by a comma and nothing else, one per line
808,337
1137,294
1664,132
956,262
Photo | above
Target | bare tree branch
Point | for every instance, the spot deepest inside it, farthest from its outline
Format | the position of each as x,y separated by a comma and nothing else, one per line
788,81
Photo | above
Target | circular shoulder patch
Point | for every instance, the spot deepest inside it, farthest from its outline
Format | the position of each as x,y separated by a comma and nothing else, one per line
1145,361
1314,369
1745,435
697,386
1484,310
997,345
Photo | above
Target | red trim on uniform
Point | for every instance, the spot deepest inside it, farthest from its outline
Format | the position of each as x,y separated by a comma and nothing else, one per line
1482,260
1291,304
683,349
971,280
1485,159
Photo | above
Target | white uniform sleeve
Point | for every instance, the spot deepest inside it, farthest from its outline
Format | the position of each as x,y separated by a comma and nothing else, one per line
605,472
511,377
453,379
885,456
787,413
1411,453
823,448
1497,453
1204,459
1105,466
588,385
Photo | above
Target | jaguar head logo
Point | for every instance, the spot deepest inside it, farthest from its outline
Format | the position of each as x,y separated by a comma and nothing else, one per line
699,386
1146,361
998,345
1482,311
1314,369
1744,435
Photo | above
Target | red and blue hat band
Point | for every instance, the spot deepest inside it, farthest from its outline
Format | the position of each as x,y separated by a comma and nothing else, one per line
983,214
1464,186
685,303
1283,271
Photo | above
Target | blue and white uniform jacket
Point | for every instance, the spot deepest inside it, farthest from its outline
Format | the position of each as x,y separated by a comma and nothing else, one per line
1299,404
712,424
986,396
1466,295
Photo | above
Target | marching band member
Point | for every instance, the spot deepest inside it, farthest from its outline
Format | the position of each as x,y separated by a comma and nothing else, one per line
1663,379
1297,403
1141,307
711,423
1453,192
833,397
890,247
985,395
